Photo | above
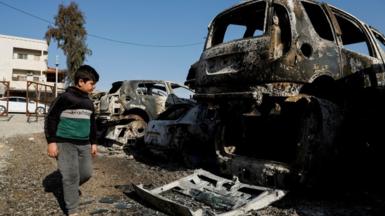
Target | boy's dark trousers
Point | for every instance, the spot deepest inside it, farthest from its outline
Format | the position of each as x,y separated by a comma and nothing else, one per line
75,166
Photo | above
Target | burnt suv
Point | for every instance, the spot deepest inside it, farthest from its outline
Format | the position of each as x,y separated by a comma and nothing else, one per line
285,89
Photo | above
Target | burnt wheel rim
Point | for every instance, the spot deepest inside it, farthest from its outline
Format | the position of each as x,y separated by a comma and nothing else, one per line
137,128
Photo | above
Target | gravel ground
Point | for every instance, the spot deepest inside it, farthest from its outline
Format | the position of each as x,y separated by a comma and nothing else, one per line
28,181
28,184
16,124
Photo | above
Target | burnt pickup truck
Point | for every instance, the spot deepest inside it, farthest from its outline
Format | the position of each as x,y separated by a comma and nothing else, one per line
288,92
123,112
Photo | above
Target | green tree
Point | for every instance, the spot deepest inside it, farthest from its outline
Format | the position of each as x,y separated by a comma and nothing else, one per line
70,34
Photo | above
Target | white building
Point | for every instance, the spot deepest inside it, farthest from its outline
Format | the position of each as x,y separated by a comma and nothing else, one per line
22,60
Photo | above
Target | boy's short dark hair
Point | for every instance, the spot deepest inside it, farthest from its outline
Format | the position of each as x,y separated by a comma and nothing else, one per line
85,73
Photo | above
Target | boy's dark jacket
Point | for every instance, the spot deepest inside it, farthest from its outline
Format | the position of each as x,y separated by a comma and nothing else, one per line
71,118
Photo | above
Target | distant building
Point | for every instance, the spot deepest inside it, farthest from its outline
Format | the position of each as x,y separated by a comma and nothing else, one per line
25,59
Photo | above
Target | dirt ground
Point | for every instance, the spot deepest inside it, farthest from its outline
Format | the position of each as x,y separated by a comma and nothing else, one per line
28,186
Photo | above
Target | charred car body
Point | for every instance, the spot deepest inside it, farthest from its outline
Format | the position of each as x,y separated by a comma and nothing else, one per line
95,97
283,94
125,110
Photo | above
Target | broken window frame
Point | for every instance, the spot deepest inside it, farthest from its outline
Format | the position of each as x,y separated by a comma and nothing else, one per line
217,34
344,29
379,39
182,91
152,89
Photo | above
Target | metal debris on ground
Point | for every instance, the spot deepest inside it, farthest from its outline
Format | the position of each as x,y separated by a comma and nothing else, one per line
204,193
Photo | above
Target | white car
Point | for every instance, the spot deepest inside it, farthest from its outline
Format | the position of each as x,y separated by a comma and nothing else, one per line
19,105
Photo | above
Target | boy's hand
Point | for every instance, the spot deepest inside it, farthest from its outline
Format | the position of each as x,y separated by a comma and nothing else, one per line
52,150
94,149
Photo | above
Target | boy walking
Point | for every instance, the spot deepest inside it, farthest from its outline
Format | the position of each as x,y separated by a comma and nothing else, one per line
70,131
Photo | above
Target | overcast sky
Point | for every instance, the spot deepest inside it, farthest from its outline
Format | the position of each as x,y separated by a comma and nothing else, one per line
152,39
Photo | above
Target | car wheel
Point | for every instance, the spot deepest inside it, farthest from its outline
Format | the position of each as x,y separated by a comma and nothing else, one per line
3,110
40,110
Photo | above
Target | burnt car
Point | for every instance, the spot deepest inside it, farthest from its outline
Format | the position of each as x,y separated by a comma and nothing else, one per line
123,112
288,92
95,97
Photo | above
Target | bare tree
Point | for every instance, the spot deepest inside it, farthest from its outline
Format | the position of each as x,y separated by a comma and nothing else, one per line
70,34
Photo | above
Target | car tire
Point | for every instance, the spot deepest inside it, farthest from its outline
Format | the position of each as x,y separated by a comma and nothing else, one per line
3,110
40,110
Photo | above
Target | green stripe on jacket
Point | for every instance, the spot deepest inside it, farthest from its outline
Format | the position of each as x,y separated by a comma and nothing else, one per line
74,128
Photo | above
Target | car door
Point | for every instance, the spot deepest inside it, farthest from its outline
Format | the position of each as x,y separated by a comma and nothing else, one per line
317,43
20,104
31,105
13,104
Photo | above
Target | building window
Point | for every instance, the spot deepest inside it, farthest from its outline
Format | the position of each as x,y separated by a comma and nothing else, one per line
22,56
51,77
21,53
19,78
25,75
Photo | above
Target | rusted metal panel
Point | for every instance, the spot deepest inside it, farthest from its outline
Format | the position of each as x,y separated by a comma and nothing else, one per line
40,95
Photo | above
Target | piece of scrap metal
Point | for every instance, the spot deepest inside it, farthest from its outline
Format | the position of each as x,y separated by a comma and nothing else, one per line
211,195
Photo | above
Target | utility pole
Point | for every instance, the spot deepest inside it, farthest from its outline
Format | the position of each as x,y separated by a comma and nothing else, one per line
56,73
